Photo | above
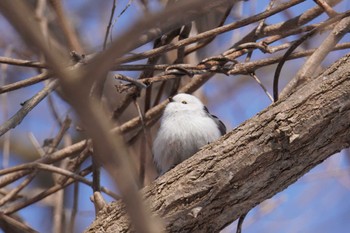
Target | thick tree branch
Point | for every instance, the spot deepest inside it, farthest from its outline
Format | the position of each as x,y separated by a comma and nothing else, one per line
252,163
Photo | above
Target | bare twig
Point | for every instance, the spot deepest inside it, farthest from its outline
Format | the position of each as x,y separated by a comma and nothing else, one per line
24,83
329,10
145,142
10,195
296,44
22,204
36,144
295,22
120,14
66,27
210,33
63,129
108,30
18,225
310,66
20,62
197,69
258,30
240,223
57,156
27,107
206,42
54,110
96,174
74,208
5,112
136,82
253,75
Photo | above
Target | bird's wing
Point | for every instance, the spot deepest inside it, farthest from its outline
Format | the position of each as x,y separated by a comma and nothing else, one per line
219,123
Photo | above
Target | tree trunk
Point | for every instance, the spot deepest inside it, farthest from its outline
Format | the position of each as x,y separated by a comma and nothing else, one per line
250,164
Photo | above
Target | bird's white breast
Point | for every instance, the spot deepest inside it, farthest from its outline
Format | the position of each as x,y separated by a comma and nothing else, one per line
182,135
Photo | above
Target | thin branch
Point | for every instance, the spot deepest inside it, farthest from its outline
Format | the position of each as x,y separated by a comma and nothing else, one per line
57,156
120,14
258,30
65,24
5,112
138,83
17,224
144,142
54,111
210,33
195,69
27,107
290,24
329,10
209,40
24,83
240,223
299,42
108,30
36,144
253,75
74,208
22,204
63,129
313,62
20,62
74,164
14,192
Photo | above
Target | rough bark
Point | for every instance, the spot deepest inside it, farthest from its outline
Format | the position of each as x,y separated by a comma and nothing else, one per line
252,163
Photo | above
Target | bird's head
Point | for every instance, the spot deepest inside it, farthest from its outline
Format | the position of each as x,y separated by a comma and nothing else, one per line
184,102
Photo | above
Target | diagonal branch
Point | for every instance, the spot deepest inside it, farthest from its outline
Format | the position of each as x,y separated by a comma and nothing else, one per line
27,107
253,162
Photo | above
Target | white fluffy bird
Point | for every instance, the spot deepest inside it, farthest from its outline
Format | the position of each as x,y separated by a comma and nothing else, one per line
186,126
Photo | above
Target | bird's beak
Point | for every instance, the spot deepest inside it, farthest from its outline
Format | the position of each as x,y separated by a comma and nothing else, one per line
171,99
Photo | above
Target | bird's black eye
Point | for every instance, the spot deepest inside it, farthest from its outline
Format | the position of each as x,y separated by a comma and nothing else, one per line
184,102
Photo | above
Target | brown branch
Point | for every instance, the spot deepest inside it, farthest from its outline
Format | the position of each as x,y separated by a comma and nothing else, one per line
27,107
196,82
329,10
108,30
14,192
291,24
56,156
253,75
14,225
64,23
20,62
24,203
195,69
74,208
253,162
209,40
24,83
210,33
310,66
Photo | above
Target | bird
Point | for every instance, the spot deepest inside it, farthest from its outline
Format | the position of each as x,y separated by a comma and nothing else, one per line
186,126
